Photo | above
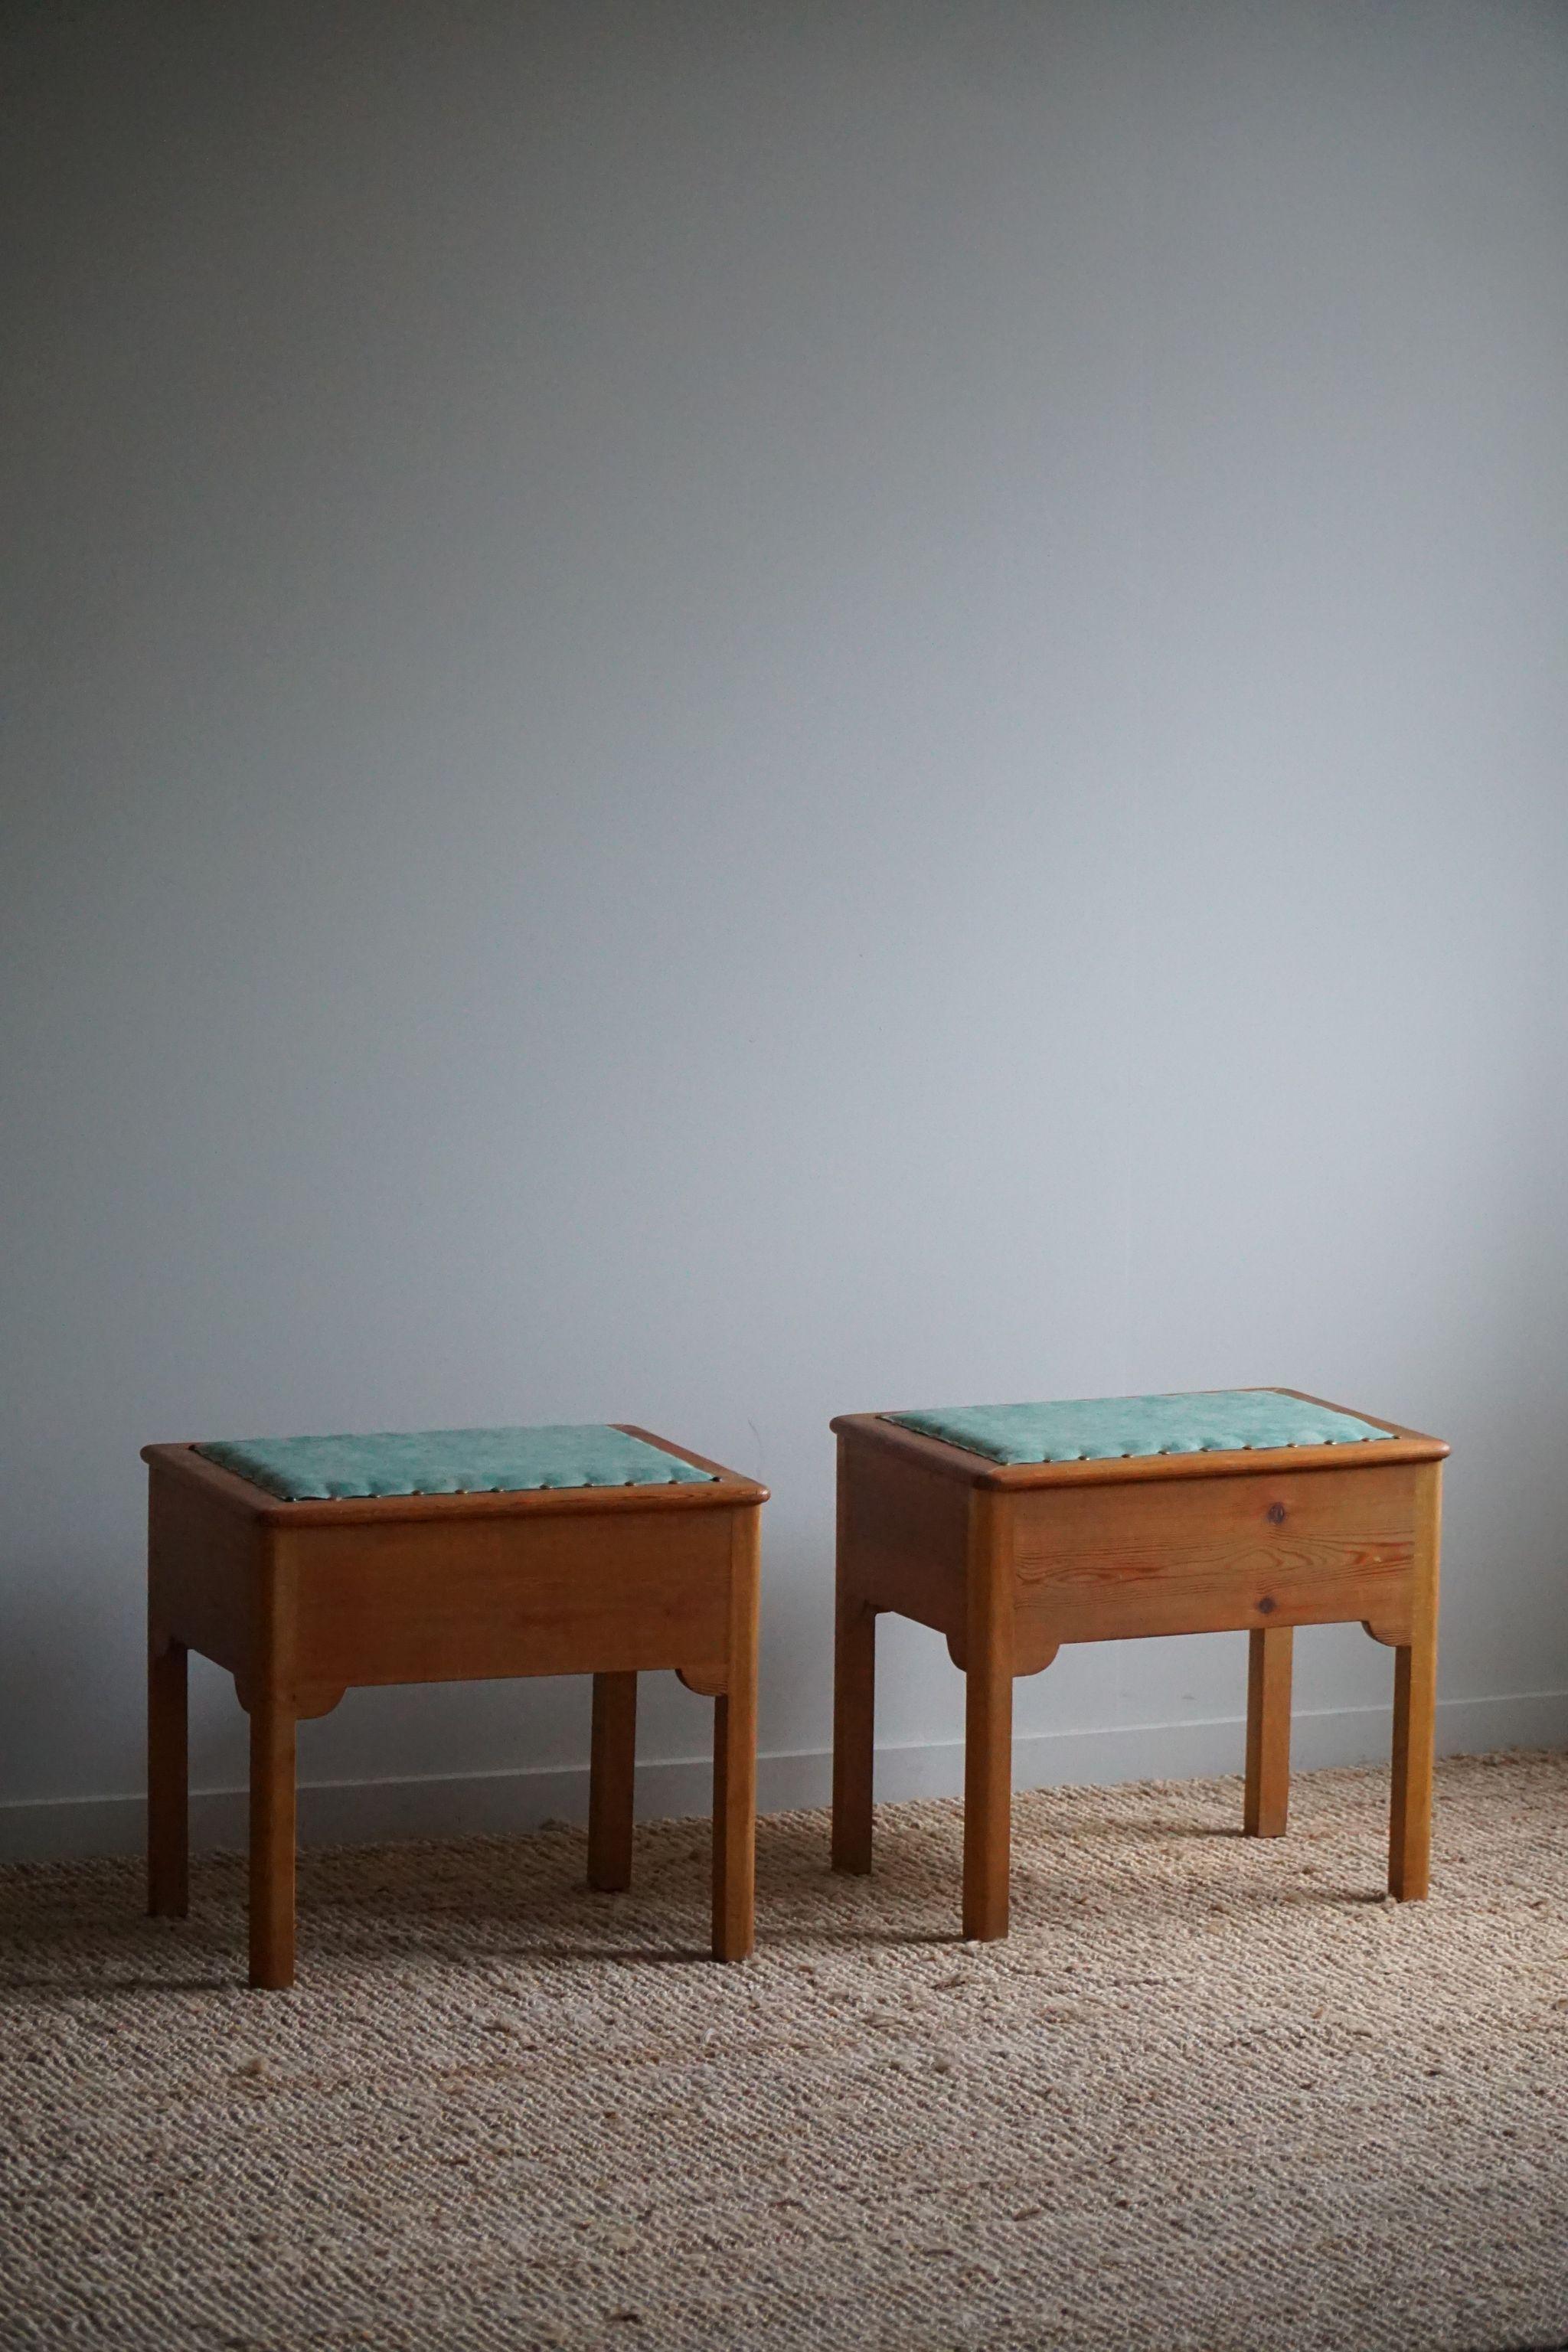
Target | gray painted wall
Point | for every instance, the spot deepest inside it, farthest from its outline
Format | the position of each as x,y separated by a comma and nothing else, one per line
716,714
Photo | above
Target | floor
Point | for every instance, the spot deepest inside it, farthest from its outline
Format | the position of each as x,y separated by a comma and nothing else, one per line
1213,2093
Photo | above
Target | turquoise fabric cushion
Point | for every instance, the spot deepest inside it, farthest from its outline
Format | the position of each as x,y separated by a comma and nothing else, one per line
450,1462
1114,1429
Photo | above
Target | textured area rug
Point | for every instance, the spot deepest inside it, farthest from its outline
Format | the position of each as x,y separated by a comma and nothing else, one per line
1212,2094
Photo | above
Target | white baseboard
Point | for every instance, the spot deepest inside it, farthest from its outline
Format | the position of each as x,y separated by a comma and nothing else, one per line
334,1812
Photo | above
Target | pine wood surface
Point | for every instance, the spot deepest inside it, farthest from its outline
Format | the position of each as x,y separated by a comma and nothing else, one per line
1009,1562
303,1601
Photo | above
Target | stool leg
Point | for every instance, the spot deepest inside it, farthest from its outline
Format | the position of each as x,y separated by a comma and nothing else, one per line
734,1823
853,1726
987,1732
734,1828
168,1780
611,1770
987,1798
1415,1705
1414,1724
1268,1731
271,1841
735,1757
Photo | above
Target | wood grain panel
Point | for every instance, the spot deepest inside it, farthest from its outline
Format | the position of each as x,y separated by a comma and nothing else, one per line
204,1563
427,1601
1277,1547
904,1530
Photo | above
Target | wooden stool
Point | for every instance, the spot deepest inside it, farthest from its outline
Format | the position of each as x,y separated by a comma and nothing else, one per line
1014,1529
306,1565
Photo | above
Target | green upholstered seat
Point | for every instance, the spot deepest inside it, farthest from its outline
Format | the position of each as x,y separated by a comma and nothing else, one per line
450,1462
1112,1429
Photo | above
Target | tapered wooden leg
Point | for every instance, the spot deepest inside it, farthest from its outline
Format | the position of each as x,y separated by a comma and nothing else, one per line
987,1731
271,1841
1268,1731
168,1781
854,1727
735,1758
1414,1724
611,1771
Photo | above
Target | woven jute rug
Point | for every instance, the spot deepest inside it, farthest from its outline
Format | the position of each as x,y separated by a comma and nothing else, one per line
1212,2094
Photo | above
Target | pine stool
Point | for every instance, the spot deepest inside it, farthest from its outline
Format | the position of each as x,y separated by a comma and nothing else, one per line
1014,1529
306,1565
